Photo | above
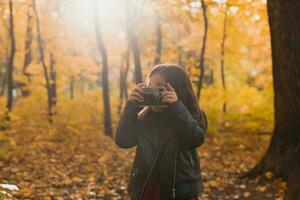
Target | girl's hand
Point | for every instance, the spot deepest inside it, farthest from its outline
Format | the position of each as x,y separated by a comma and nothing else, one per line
135,94
169,96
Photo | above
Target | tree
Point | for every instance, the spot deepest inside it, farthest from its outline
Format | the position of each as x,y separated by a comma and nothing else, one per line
28,42
53,92
158,40
223,54
42,57
283,154
105,84
133,40
72,81
202,54
123,77
10,63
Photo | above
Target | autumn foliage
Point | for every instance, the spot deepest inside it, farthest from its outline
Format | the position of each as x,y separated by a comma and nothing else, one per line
52,142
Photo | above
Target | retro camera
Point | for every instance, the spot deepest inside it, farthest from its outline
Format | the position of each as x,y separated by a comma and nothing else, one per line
152,95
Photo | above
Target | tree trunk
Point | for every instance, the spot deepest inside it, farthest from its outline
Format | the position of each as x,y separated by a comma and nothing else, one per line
53,92
42,57
133,43
7,55
123,77
10,63
202,55
283,154
105,84
28,42
82,81
158,40
2,82
72,80
223,56
125,73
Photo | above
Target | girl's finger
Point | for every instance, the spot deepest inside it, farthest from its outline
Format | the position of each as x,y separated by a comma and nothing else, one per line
136,99
167,93
168,99
141,85
136,94
138,89
170,88
170,96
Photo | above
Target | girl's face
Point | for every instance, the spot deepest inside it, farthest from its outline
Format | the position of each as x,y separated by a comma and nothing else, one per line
154,81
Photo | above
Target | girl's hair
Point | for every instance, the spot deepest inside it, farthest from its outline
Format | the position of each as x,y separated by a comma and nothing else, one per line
180,81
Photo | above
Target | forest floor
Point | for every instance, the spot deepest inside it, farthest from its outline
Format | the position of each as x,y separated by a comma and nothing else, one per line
74,164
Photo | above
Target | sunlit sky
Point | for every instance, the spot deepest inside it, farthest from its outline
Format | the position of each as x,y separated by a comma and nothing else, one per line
111,13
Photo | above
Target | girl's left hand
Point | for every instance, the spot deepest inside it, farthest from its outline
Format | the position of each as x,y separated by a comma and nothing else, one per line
169,96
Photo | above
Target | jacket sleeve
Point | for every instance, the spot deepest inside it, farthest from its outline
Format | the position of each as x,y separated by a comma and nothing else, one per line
126,131
191,133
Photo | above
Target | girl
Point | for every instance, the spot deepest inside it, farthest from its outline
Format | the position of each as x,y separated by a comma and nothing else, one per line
166,164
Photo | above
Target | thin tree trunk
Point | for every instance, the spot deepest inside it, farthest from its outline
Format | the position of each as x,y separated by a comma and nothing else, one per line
121,81
283,154
28,42
7,55
53,81
212,76
10,63
223,56
158,40
202,55
42,57
72,80
3,83
82,80
123,77
105,83
125,74
133,43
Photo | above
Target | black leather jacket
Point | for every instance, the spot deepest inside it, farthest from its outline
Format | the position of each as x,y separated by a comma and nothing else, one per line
170,138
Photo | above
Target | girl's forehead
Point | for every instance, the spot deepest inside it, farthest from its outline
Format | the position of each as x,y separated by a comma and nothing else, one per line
157,79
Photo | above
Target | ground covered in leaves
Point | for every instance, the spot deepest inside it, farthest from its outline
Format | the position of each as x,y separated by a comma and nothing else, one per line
65,163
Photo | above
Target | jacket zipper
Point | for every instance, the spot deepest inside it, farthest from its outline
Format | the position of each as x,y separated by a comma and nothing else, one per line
174,171
156,156
140,197
192,161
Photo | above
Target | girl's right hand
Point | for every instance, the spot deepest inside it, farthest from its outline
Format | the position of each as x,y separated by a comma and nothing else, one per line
136,93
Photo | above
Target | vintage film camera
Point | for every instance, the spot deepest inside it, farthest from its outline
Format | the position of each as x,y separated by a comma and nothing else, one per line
152,95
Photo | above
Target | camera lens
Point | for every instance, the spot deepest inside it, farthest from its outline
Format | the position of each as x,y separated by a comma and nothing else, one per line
151,98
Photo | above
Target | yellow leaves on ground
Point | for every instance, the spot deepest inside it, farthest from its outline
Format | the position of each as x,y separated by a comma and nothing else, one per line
261,188
214,183
228,155
89,165
269,175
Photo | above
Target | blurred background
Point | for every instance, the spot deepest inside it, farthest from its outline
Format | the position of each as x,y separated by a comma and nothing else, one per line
66,67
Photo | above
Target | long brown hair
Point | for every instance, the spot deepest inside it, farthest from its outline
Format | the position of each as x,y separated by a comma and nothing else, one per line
180,81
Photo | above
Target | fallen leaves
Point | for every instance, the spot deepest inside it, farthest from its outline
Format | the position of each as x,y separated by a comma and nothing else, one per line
228,155
88,165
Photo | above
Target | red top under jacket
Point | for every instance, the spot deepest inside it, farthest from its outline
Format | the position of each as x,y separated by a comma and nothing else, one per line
152,190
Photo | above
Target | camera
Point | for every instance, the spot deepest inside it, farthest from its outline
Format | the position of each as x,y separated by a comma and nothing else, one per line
152,95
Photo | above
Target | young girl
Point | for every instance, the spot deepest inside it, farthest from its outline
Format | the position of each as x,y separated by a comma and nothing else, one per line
166,164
